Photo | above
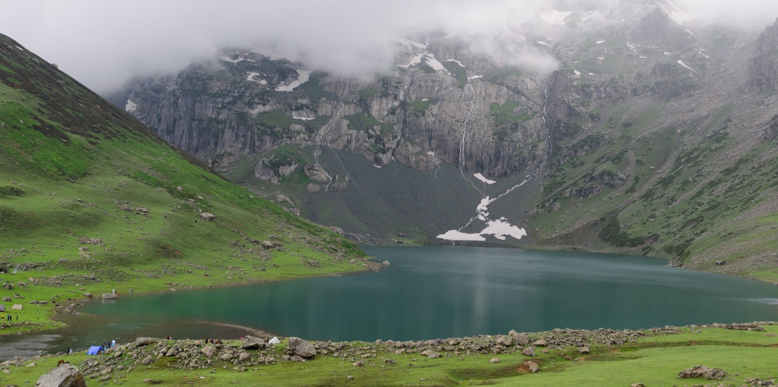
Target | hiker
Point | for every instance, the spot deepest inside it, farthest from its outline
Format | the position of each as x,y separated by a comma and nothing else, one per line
113,342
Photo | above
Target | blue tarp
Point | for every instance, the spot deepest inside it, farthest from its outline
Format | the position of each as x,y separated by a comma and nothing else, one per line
94,350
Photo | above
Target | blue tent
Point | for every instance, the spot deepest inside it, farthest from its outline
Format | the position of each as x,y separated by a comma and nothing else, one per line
94,350
2,308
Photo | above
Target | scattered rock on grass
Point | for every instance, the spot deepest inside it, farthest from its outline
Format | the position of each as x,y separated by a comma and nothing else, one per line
702,371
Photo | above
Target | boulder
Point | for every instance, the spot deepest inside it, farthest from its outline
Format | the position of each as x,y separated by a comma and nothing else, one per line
300,347
252,342
274,341
540,343
505,340
88,295
147,360
172,352
521,339
495,360
529,351
65,375
583,350
110,296
531,366
141,341
207,216
430,354
243,356
700,371
208,351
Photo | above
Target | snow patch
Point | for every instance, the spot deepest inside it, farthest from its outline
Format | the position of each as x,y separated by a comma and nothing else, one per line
483,179
228,59
254,77
601,41
298,116
455,61
542,43
302,78
701,53
601,58
501,228
130,106
668,53
470,78
690,33
678,15
454,235
411,43
19,48
435,64
414,61
577,73
554,17
680,62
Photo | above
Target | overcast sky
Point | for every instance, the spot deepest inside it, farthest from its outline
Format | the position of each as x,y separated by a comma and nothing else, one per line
104,43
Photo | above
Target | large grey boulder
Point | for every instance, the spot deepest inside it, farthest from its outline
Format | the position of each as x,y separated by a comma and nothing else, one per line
65,375
252,342
208,351
300,347
141,341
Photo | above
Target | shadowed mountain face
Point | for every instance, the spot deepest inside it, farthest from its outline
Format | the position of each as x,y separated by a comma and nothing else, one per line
652,136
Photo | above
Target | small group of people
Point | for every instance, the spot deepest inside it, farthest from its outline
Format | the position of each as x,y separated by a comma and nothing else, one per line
213,341
108,344
8,317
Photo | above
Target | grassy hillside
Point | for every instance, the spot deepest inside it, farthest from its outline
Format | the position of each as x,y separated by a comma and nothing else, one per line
90,201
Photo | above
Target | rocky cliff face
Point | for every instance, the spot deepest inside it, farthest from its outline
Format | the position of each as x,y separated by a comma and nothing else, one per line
763,67
437,107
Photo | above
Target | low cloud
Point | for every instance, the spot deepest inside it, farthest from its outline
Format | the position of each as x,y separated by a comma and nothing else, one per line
104,44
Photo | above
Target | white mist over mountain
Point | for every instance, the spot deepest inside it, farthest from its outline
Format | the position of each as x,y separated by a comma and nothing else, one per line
104,44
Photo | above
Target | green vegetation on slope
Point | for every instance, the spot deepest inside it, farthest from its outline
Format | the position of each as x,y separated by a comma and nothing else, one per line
90,201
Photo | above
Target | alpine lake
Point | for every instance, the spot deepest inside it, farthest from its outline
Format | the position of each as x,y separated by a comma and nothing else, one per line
427,293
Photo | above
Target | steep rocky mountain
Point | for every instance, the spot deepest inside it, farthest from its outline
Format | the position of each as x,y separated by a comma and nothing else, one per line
653,135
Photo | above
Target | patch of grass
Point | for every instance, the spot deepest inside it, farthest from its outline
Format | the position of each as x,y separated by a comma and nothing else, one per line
459,72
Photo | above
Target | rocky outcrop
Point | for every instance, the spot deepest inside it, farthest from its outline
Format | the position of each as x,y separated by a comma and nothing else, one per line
763,67
702,372
659,29
64,375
